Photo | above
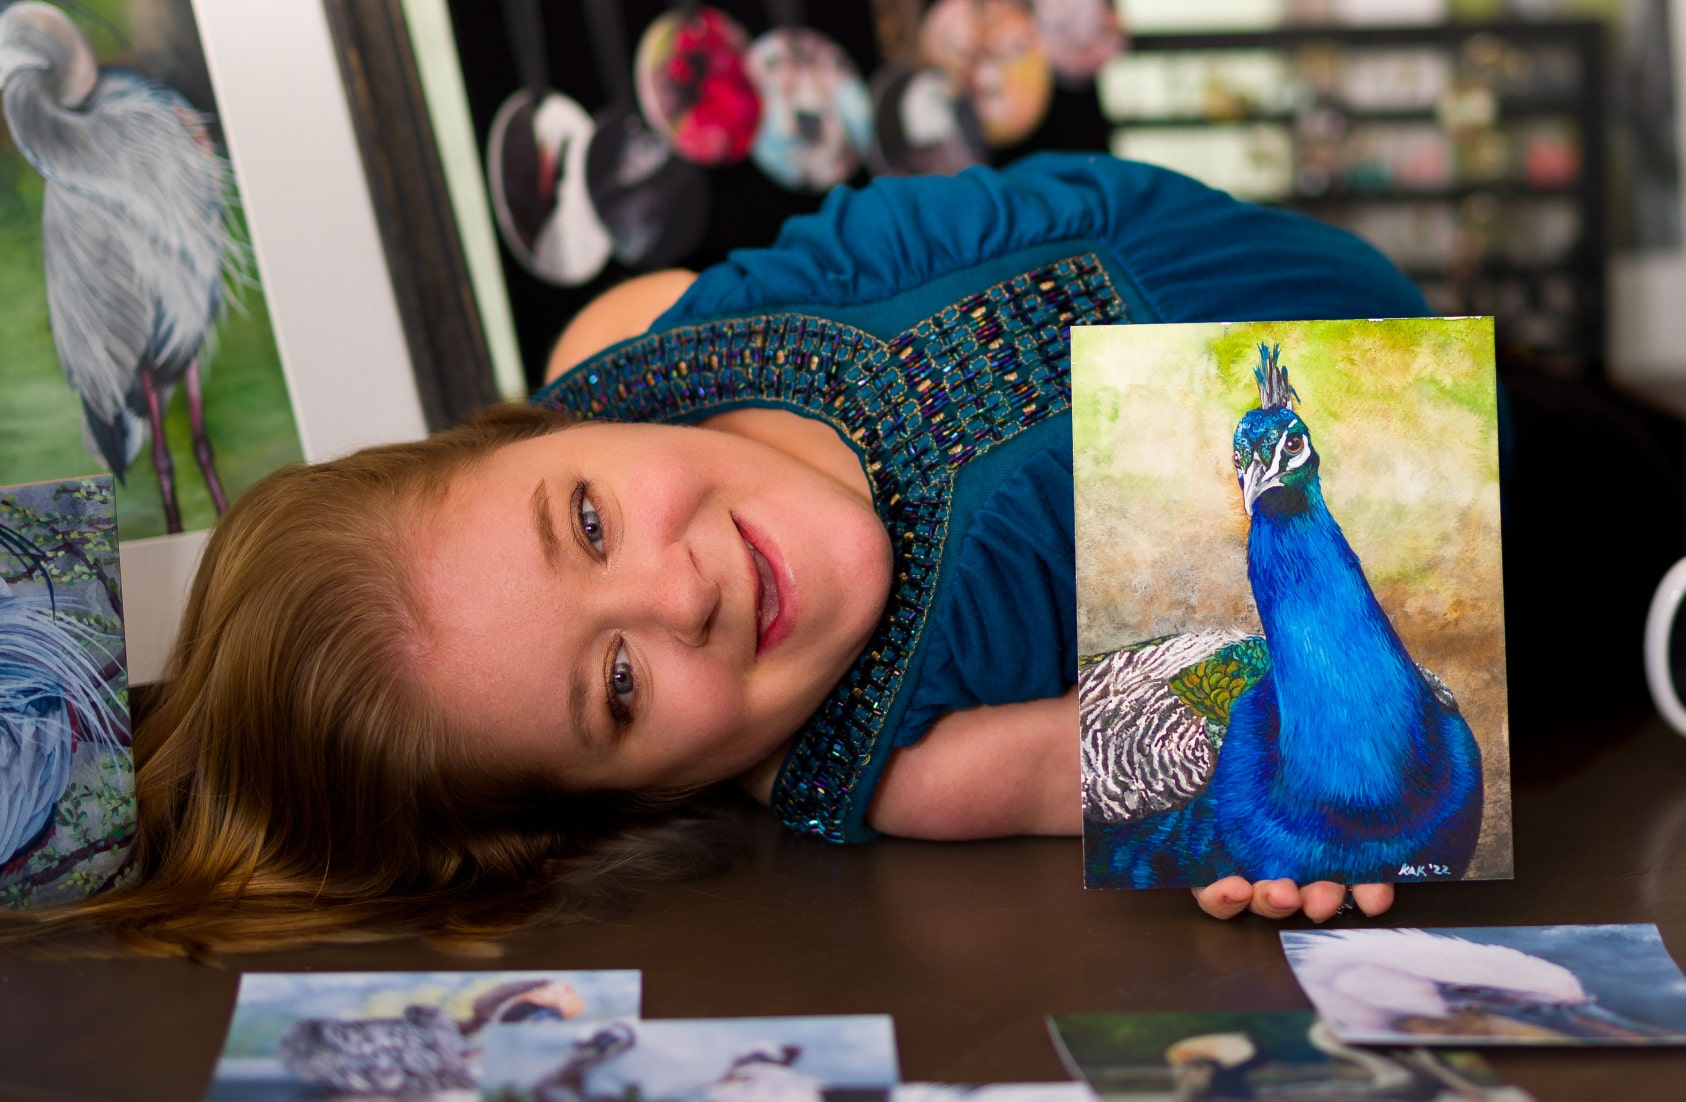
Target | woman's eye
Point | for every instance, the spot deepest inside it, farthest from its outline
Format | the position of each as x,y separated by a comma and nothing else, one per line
621,685
590,524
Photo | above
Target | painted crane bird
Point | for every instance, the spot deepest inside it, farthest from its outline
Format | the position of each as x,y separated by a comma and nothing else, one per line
1320,751
135,237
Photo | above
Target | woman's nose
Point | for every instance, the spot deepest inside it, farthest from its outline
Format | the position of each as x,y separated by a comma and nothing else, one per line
680,599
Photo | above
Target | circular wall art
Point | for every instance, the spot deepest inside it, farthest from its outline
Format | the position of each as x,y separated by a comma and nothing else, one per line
693,87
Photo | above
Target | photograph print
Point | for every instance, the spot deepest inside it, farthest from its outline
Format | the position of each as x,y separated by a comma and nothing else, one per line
1501,985
1287,1055
681,1060
1290,606
137,336
67,792
414,1035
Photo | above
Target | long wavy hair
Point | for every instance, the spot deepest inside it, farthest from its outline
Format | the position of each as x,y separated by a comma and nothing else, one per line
294,782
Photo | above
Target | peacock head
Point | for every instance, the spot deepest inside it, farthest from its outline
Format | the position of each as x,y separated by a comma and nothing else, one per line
1274,460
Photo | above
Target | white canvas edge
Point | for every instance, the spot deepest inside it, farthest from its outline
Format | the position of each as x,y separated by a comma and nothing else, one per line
343,354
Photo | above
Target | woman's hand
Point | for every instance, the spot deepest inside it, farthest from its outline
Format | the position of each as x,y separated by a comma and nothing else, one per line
1281,898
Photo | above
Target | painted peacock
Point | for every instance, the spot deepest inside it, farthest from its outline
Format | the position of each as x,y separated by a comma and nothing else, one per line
1320,751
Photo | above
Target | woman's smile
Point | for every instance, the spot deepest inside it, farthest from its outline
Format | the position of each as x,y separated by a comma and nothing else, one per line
774,611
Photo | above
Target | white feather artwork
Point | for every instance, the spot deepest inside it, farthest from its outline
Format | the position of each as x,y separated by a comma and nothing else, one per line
1430,986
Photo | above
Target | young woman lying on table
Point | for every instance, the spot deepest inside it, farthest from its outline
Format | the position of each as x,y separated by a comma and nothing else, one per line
803,521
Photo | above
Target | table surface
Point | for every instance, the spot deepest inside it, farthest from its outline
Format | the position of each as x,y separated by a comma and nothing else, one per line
968,946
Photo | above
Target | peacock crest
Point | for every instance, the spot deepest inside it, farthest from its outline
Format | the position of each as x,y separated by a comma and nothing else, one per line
1275,392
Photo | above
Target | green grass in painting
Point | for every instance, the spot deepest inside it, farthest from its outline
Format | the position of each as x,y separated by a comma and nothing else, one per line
248,412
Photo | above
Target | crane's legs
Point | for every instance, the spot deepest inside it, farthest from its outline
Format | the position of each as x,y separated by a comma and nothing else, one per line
202,442
161,452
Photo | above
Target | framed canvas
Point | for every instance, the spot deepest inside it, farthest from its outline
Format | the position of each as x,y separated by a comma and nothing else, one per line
432,280
308,360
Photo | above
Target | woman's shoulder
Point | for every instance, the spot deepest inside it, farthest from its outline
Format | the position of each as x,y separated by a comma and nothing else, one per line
1190,252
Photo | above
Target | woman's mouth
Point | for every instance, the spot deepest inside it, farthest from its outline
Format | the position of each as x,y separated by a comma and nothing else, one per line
772,623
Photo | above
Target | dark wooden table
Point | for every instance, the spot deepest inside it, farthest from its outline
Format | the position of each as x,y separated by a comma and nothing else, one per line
967,946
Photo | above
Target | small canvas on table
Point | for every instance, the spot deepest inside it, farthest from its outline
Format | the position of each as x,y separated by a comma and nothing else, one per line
414,1035
1290,602
1494,985
1275,1054
742,1058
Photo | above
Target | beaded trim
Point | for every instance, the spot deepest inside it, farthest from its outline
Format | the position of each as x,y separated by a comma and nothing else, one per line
918,407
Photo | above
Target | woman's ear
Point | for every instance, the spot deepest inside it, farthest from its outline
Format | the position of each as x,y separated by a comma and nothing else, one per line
623,311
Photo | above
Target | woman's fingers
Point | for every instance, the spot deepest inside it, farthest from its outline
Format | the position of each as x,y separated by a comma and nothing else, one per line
1373,899
1276,898
1226,898
1322,899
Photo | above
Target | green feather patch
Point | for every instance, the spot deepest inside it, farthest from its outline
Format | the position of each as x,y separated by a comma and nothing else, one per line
1211,685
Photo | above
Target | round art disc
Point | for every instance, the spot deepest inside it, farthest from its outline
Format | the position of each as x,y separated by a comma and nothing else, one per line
816,113
923,124
693,88
654,204
535,168
992,48
1079,35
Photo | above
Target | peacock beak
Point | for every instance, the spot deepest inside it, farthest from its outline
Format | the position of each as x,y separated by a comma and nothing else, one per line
1255,480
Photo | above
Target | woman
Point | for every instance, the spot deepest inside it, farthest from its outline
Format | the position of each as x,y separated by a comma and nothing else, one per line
448,688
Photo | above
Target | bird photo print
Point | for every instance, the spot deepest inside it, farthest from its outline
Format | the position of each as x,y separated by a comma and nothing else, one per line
67,793
787,1059
1290,604
412,1035
136,335
1611,984
1289,1055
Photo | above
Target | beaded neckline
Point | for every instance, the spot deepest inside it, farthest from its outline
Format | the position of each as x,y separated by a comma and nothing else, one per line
917,407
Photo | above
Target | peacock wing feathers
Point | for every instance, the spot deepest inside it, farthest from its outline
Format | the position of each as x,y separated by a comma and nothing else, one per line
1153,716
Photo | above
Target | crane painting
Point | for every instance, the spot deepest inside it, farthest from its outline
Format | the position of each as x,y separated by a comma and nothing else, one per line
123,238
67,811
1289,602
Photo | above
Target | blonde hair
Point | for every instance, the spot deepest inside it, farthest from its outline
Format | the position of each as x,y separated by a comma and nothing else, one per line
294,783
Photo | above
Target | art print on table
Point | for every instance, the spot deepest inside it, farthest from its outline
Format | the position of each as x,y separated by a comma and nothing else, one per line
1496,985
67,790
1277,1054
136,333
719,1058
992,1092
416,1035
1290,604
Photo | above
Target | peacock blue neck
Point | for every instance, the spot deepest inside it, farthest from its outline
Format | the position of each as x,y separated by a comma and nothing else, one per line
1347,690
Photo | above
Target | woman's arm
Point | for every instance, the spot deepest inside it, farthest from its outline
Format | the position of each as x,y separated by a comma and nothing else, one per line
1009,769
986,772
624,310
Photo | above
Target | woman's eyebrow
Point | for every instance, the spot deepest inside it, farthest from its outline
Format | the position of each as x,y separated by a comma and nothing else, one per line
546,525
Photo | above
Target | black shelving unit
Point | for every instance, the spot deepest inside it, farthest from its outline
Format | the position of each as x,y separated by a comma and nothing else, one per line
1480,170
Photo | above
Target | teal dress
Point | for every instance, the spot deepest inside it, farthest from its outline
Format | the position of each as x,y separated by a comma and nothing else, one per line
926,319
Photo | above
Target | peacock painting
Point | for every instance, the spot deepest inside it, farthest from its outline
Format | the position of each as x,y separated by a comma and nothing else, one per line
1289,602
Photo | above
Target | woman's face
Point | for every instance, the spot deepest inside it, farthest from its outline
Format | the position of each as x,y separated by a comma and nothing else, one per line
633,606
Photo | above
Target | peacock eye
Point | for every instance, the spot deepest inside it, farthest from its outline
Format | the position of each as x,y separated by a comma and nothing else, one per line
1240,458
1294,444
